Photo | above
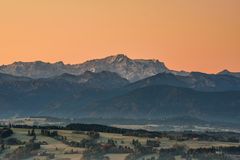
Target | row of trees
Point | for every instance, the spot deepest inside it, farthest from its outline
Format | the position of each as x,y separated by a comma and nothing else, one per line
5,132
179,136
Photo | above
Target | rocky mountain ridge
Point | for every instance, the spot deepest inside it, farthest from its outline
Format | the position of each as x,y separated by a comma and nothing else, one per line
131,69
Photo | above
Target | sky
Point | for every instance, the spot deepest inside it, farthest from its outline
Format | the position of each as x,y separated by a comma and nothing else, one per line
190,35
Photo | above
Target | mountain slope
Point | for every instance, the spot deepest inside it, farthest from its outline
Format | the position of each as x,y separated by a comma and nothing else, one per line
195,80
25,96
103,79
167,101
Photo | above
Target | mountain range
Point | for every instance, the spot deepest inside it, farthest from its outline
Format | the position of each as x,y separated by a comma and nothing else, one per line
132,70
117,87
194,80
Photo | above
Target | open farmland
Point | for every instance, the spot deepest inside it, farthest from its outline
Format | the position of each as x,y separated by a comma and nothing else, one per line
81,145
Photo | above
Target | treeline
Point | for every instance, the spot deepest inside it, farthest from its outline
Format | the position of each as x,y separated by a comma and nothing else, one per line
109,129
226,150
5,132
204,136
173,135
95,128
54,127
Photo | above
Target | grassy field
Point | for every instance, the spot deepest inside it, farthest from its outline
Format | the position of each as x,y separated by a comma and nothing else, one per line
166,143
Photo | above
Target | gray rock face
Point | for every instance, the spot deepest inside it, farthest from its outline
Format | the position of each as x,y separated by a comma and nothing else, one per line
130,69
35,70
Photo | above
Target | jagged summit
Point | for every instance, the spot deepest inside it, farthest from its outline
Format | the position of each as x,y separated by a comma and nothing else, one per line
60,63
227,72
119,56
131,69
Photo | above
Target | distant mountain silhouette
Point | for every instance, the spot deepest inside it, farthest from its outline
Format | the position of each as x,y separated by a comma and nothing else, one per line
195,80
227,72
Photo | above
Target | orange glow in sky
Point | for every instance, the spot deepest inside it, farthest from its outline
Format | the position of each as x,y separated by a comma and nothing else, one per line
191,35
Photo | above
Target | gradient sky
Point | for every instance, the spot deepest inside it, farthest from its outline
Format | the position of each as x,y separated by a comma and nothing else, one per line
191,35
